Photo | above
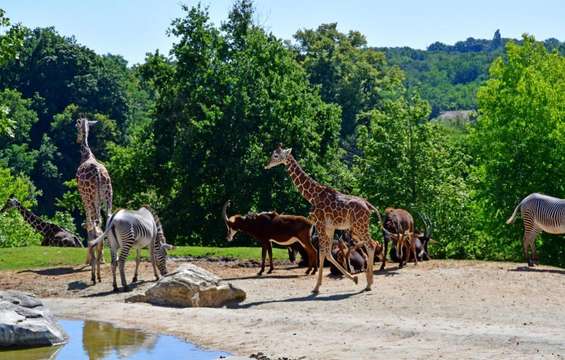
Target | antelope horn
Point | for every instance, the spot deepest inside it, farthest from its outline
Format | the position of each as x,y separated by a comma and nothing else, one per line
225,213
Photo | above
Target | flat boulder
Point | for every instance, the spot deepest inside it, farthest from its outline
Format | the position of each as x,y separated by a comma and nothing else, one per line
26,322
191,286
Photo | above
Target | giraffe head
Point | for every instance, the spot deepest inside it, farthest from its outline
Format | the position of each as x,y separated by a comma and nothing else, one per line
10,203
82,125
279,156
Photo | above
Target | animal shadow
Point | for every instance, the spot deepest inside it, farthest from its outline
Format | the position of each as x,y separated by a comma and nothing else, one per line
55,271
538,270
77,285
311,297
390,271
269,276
131,286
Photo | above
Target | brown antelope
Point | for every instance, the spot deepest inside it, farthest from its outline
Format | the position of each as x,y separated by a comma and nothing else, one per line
398,226
270,227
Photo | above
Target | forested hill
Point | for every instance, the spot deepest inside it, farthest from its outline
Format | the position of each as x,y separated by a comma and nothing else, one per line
448,76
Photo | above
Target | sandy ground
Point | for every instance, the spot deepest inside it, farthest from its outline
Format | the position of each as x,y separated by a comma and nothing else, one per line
438,309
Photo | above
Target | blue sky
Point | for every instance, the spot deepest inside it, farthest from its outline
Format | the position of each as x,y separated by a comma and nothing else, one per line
133,27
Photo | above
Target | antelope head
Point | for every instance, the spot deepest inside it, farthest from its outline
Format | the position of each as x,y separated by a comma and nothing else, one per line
229,222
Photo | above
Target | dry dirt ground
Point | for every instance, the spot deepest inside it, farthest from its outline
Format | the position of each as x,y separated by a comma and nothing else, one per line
438,309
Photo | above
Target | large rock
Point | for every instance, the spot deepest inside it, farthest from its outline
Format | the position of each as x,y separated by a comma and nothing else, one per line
191,286
26,322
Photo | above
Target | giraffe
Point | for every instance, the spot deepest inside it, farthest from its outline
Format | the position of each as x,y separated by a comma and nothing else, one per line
95,188
331,210
53,235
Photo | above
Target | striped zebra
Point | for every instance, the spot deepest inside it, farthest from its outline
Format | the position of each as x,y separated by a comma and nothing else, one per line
539,213
135,228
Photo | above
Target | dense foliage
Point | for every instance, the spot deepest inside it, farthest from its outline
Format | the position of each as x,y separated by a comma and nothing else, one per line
519,142
448,76
188,130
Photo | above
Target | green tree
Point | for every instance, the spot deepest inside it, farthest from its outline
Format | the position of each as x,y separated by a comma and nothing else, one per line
224,102
10,44
14,231
349,73
520,142
410,163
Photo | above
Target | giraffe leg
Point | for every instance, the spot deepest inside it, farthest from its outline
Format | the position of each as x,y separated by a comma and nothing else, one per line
99,252
371,247
92,257
321,256
383,263
329,256
137,261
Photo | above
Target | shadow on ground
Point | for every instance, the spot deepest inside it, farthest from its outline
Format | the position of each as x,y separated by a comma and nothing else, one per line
311,297
131,286
538,270
55,271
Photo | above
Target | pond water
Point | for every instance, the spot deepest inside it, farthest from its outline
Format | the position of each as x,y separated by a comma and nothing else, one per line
98,340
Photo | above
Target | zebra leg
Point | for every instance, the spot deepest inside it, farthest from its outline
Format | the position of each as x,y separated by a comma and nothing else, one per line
114,259
126,245
99,258
137,261
533,250
529,238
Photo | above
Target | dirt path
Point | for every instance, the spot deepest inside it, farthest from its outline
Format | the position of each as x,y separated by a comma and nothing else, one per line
439,309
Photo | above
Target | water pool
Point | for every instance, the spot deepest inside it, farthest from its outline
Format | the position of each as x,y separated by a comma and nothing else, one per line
98,340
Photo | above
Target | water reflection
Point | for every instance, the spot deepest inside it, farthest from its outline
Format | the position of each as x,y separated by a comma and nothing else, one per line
96,340
102,339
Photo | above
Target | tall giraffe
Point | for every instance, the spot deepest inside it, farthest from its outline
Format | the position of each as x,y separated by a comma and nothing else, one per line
331,210
95,188
53,235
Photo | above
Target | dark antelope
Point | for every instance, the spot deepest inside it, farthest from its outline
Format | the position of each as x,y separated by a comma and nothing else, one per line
269,227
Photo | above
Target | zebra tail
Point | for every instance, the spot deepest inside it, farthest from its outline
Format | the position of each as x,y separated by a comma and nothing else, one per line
106,231
513,217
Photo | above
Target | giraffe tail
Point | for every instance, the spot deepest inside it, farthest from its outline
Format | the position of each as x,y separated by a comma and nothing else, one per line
377,211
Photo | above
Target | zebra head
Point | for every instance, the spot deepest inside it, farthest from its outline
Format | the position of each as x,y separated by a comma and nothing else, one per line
162,257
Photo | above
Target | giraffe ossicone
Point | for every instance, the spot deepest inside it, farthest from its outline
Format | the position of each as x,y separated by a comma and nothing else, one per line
331,210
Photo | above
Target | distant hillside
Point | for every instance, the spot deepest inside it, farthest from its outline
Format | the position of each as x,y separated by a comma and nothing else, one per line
448,76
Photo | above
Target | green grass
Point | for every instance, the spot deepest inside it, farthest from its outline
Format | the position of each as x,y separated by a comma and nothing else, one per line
32,257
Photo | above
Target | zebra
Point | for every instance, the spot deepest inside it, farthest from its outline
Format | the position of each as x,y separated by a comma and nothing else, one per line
135,228
539,213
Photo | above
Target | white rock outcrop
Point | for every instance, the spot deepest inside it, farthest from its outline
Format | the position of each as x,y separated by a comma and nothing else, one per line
191,286
26,322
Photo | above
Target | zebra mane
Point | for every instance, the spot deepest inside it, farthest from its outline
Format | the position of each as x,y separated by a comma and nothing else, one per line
160,233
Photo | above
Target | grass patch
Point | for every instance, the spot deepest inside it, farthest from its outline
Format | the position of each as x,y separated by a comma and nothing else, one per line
32,257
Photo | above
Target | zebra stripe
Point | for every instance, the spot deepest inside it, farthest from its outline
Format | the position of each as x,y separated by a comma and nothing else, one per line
135,228
540,213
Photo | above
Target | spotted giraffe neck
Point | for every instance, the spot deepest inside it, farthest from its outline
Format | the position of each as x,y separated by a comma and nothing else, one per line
308,187
85,152
35,221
